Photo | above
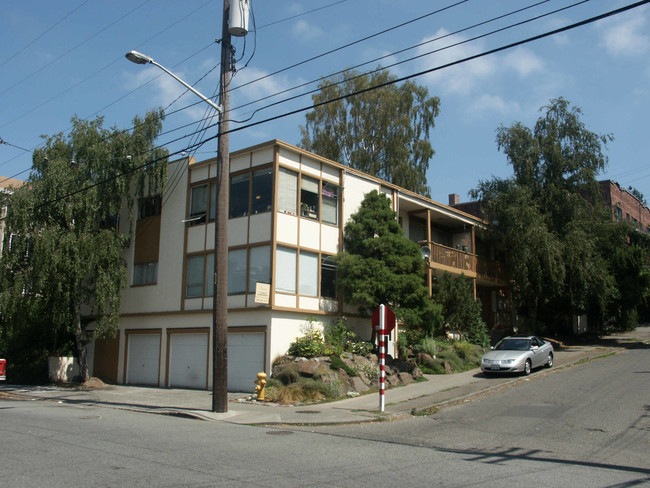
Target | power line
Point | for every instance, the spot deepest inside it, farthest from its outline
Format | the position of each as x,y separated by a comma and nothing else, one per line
397,80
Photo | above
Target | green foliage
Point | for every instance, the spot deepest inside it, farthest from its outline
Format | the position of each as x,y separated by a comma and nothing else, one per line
67,254
383,132
564,254
459,308
310,345
380,265
339,338
338,363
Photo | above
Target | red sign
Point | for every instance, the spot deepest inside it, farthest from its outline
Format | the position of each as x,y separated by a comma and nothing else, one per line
389,319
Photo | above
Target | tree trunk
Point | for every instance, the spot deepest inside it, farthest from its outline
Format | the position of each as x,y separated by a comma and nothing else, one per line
82,351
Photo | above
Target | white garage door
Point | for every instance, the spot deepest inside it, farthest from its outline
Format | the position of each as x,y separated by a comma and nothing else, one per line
188,360
143,359
245,360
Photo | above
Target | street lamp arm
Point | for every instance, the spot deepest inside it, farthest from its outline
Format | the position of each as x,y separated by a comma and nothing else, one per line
139,58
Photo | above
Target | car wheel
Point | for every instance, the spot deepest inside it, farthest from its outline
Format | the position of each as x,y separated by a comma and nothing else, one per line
549,361
527,367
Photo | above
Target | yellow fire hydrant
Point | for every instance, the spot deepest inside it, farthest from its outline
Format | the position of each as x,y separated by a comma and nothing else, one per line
261,385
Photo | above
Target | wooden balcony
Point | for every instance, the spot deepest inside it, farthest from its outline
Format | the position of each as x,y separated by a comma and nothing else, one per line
457,261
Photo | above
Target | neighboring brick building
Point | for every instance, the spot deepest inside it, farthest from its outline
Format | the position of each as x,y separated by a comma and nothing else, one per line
625,206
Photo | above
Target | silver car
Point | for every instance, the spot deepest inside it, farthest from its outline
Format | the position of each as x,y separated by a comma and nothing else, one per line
518,355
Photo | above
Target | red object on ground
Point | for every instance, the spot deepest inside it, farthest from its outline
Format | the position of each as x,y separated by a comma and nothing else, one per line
3,369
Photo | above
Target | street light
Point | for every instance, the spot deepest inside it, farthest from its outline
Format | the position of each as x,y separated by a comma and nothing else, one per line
220,294
139,58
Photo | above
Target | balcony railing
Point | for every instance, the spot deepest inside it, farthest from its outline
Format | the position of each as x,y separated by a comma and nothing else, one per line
452,258
466,262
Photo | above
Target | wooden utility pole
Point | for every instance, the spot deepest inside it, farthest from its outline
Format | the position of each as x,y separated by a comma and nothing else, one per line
220,295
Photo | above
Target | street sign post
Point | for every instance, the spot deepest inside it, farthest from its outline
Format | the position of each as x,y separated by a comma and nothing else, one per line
383,321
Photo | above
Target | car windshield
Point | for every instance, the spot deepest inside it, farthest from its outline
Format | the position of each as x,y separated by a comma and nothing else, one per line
513,345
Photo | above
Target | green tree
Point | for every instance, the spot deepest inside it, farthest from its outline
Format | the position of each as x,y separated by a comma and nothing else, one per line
65,256
459,307
381,266
383,132
549,216
638,195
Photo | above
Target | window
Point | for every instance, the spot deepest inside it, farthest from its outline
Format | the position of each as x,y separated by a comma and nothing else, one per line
285,270
308,274
262,190
259,269
195,275
330,203
287,191
619,214
236,271
213,201
149,206
145,273
309,197
239,188
209,273
327,277
198,204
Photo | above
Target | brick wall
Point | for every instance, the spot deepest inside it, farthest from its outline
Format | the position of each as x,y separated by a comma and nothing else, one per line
624,205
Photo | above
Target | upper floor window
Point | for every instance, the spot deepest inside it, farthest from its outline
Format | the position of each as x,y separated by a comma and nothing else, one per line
618,213
251,193
198,204
309,197
149,206
330,203
287,191
145,273
247,267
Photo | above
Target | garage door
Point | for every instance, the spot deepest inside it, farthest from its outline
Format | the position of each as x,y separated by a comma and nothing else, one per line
245,360
188,360
143,359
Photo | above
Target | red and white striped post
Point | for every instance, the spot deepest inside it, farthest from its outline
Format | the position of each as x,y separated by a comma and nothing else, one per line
382,357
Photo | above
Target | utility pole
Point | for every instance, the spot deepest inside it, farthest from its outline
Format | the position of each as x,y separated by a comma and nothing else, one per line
220,277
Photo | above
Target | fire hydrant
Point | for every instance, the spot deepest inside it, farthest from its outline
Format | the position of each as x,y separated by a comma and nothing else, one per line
261,385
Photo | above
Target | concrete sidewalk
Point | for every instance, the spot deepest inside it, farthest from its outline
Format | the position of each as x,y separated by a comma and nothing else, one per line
417,398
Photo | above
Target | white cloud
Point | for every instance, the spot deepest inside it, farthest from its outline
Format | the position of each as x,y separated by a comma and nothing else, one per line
523,62
627,35
494,104
306,31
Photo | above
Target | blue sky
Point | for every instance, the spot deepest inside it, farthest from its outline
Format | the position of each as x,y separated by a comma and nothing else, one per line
60,59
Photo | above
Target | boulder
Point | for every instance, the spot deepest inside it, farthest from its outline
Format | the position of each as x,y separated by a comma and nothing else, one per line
405,378
358,385
417,373
307,367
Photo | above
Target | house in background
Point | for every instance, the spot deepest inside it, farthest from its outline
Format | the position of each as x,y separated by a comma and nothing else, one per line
287,211
6,186
625,206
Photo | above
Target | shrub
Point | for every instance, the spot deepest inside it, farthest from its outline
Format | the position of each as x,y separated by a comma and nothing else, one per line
463,349
370,371
428,345
310,345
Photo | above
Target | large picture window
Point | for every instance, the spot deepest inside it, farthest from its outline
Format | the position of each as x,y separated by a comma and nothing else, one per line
309,197
327,277
285,270
308,274
330,203
287,191
239,187
262,190
195,275
149,206
259,269
236,271
145,273
198,204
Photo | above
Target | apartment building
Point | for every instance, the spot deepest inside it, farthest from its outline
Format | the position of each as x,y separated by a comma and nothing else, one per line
287,211
625,206
6,186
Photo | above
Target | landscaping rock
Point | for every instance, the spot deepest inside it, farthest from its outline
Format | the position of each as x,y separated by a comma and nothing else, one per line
423,358
405,378
357,384
307,367
392,380
417,373
448,367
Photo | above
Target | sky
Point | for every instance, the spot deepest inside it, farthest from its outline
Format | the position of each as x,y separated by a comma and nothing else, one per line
66,58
